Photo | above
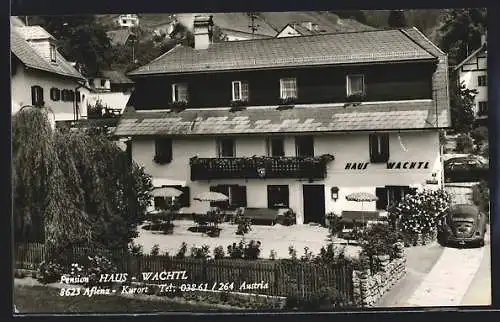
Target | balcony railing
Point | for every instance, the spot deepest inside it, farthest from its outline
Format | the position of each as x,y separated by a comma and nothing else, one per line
259,167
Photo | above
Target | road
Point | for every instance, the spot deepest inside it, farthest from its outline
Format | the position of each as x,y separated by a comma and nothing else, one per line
443,276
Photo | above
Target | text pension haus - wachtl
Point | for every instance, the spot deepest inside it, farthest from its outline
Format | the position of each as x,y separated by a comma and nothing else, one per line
295,122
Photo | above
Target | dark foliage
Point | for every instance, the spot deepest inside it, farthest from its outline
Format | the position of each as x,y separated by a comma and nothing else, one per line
461,106
397,19
379,239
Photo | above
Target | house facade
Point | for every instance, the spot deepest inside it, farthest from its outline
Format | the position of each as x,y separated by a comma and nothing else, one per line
293,122
41,76
128,20
473,73
112,89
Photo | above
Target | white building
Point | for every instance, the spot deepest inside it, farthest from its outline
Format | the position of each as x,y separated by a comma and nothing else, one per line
374,100
41,76
111,88
473,72
128,20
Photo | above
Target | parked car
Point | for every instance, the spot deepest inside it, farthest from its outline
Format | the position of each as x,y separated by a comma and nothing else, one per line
466,169
464,224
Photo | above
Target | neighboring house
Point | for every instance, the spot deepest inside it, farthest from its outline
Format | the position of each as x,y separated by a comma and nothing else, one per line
128,20
111,88
473,72
41,76
261,120
306,28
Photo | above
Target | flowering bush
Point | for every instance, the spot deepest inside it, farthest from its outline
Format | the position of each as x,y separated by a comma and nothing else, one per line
289,218
219,252
98,265
245,251
202,252
420,213
49,272
76,270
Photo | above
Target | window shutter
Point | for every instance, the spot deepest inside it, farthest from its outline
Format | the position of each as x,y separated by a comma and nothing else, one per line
381,194
373,147
33,96
64,95
385,147
77,94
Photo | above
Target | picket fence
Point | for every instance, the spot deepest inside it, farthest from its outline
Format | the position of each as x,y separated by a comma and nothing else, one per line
284,278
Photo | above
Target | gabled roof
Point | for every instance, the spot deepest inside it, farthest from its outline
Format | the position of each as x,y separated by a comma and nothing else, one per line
115,77
474,54
34,33
328,49
31,58
325,118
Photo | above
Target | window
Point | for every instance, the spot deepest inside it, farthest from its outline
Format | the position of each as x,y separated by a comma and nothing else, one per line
390,196
275,147
240,91
163,150
52,53
379,147
304,146
37,96
237,196
226,148
482,80
355,85
55,94
124,21
277,196
179,93
288,88
482,108
103,83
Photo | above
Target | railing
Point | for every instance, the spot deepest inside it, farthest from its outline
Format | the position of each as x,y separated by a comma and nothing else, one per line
259,167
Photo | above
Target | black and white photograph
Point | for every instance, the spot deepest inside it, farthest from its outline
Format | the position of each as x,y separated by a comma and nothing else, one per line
292,161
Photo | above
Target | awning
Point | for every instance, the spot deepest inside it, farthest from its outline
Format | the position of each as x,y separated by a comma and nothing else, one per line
160,182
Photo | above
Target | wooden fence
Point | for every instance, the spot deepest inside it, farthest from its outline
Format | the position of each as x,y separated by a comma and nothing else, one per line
283,277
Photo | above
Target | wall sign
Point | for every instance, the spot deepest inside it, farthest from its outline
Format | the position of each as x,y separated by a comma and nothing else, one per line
410,165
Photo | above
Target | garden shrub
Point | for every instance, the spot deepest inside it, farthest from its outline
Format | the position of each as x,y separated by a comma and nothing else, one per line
98,265
202,252
49,272
135,249
308,255
19,274
465,144
272,254
289,218
182,251
242,250
379,239
292,252
244,224
219,252
330,255
155,250
325,298
334,222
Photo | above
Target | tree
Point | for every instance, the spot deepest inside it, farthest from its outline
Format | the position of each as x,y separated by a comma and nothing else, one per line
74,187
397,19
461,31
461,106
359,15
80,39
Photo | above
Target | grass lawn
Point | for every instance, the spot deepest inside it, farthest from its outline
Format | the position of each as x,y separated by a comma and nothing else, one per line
277,238
44,299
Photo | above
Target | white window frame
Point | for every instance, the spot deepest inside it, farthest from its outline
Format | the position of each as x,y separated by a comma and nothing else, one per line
53,56
283,89
348,84
241,96
175,87
479,80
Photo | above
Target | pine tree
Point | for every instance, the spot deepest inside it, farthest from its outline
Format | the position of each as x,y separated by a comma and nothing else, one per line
397,19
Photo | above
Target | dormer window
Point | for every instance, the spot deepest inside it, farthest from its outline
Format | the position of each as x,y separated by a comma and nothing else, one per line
355,85
240,91
179,92
53,53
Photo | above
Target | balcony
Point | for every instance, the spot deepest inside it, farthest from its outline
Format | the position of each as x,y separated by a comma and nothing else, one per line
259,167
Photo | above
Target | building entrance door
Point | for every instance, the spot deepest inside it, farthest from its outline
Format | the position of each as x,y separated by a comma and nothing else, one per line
314,203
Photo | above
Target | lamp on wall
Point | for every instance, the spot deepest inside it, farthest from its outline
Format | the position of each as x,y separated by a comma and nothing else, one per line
334,191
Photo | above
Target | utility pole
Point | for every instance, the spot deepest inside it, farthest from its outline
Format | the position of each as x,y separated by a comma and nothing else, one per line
26,20
253,27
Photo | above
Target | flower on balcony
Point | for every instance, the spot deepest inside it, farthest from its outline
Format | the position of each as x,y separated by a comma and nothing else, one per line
355,98
178,106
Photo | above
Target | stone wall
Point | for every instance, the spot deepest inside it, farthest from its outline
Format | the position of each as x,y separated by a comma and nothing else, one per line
369,287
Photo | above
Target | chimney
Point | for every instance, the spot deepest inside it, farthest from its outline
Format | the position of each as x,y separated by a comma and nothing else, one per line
203,29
